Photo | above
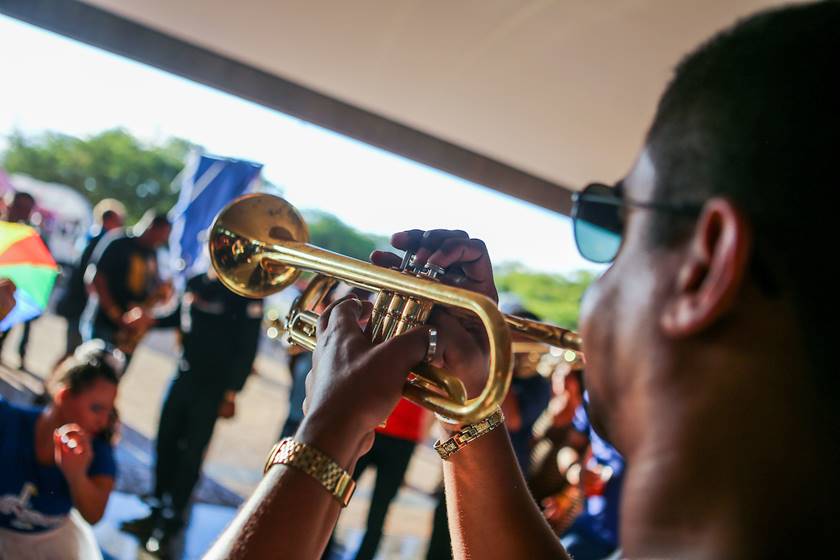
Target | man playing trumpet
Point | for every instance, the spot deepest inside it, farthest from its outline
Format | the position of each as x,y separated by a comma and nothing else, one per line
705,341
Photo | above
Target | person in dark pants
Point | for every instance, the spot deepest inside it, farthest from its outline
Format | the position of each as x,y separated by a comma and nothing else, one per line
221,331
390,455
109,215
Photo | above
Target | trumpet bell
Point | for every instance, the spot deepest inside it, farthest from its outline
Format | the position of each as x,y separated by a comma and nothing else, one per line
241,237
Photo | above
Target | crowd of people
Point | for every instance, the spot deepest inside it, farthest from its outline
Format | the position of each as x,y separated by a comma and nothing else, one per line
111,298
704,341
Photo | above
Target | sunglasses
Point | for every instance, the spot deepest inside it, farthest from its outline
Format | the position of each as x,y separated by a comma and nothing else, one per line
597,219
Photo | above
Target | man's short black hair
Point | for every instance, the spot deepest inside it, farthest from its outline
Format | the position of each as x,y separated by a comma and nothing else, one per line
152,219
109,215
160,219
754,115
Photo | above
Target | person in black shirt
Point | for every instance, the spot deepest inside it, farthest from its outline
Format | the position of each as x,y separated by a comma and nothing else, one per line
220,334
126,281
110,215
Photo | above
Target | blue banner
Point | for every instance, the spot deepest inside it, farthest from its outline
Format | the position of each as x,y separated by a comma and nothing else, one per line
208,183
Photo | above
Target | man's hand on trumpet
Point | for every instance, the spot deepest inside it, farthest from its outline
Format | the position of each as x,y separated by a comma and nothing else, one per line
353,379
466,260
462,346
354,385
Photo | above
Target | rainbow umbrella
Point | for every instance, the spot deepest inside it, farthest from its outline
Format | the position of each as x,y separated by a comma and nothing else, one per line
28,263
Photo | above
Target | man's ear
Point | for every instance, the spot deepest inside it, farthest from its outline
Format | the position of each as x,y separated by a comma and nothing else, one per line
712,272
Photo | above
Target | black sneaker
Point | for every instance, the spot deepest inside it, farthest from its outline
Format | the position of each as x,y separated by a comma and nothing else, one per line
142,526
160,540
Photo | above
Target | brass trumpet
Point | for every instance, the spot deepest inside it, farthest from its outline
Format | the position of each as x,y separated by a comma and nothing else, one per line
258,246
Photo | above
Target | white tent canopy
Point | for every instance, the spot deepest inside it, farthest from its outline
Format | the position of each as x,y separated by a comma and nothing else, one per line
541,94
64,202
70,214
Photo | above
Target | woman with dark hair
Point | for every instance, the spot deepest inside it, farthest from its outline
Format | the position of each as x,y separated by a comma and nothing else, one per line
56,463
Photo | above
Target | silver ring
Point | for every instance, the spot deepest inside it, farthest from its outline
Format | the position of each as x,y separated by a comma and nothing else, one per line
435,270
431,350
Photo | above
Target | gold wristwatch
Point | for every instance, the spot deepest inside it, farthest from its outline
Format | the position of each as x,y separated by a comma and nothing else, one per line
316,464
469,433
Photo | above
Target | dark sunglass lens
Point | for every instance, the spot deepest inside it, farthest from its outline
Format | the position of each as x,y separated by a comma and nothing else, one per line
597,224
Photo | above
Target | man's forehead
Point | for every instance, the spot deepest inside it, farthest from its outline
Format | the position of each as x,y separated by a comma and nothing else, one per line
639,183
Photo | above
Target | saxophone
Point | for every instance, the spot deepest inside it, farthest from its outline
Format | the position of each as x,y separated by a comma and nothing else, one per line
138,319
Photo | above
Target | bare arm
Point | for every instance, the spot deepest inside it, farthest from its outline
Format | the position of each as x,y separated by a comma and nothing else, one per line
290,514
487,495
90,495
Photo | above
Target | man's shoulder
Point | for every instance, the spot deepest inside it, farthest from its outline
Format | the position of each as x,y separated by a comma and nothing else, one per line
116,238
112,242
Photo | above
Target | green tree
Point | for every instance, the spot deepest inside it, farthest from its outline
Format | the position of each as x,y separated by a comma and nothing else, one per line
115,164
327,231
112,164
553,297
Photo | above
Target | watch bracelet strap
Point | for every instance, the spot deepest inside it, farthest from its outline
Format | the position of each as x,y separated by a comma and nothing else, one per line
316,464
469,433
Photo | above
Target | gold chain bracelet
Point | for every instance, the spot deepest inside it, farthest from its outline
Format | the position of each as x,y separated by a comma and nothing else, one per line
469,433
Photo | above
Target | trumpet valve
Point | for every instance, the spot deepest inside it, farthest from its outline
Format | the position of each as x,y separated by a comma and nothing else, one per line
301,328
377,315
392,317
415,312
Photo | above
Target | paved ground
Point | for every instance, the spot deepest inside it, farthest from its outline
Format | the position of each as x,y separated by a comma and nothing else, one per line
235,457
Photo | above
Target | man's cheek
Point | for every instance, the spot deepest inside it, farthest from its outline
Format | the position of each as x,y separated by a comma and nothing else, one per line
592,310
597,321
